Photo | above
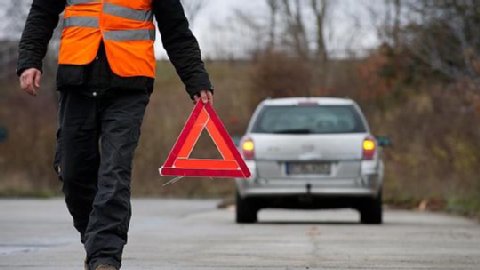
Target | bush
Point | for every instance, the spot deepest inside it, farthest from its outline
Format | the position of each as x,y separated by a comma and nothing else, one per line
276,74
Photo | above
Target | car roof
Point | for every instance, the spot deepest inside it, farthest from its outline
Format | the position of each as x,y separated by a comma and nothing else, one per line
297,100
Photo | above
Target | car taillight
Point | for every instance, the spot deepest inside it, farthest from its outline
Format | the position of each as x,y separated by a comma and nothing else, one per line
248,149
369,147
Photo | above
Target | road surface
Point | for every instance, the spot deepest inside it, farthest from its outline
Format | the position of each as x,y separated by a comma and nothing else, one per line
194,235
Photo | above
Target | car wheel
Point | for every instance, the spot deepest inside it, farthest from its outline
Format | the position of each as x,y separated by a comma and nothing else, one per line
246,211
372,211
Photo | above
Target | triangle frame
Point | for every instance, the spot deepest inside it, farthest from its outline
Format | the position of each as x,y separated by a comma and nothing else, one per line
179,162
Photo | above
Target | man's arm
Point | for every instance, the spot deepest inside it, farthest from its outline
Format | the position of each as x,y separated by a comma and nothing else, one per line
182,48
41,22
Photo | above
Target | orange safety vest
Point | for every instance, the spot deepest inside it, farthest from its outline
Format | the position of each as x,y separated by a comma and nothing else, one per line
125,26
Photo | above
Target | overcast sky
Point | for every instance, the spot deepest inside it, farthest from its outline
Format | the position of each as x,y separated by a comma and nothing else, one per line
218,30
349,26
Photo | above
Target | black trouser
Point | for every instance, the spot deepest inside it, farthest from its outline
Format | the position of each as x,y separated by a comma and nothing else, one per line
96,141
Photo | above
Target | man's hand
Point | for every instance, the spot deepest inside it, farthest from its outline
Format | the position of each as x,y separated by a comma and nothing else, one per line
30,81
206,96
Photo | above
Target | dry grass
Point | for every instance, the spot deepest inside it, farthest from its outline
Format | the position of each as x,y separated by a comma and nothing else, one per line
434,160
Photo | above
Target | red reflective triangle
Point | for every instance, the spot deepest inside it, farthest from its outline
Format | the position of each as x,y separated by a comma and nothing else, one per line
179,163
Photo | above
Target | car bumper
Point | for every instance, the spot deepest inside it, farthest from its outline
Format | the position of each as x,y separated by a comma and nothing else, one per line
365,186
368,184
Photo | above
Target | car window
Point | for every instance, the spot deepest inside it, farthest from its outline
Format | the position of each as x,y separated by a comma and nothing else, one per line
311,119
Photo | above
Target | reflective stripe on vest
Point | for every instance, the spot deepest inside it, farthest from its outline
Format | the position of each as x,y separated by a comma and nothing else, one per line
81,21
126,28
128,13
130,35
76,2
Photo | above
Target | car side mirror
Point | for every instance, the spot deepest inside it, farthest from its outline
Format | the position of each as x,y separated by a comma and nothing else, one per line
383,141
3,134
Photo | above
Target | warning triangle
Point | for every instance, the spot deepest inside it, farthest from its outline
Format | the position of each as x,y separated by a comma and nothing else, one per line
179,162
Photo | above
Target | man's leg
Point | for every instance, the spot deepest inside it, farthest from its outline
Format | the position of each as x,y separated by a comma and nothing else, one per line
121,119
78,155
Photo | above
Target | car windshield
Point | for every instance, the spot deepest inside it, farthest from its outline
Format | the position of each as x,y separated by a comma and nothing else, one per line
311,119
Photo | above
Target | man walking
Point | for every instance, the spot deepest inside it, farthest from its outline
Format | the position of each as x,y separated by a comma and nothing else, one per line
105,78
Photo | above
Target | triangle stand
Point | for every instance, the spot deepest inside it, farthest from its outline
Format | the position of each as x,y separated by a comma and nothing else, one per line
179,162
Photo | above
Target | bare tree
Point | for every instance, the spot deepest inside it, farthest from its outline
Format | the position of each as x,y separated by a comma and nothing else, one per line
296,27
296,35
274,7
448,41
253,31
441,36
319,8
397,21
390,24
387,18
299,31
193,8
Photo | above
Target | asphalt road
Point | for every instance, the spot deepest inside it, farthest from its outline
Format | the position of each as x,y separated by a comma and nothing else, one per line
195,235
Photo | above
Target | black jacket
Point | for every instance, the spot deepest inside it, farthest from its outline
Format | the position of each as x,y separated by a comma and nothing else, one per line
177,39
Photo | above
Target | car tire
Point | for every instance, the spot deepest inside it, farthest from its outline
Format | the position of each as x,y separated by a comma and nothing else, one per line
246,211
372,211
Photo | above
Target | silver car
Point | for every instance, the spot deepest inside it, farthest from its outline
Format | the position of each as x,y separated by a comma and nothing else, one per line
311,153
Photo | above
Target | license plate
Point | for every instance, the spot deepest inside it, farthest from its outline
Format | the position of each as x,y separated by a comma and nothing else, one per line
308,168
